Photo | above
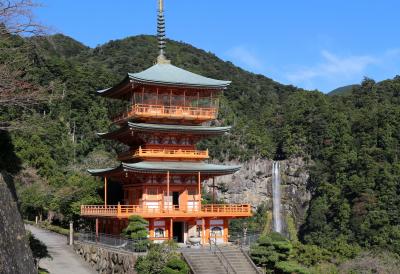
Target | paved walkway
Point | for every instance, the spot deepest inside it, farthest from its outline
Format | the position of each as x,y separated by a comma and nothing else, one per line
65,260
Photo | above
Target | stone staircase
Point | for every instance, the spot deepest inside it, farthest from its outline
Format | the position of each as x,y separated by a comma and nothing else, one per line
221,259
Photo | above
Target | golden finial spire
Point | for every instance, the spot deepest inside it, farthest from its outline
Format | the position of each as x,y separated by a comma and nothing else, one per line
161,59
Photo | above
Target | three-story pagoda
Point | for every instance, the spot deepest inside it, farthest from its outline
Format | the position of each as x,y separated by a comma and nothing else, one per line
162,172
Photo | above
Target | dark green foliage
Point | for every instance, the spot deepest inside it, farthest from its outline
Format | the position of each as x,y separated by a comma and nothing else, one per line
137,228
290,267
137,231
342,90
176,266
161,258
271,249
310,255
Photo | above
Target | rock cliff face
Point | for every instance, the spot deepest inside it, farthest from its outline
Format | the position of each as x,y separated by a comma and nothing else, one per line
253,184
15,254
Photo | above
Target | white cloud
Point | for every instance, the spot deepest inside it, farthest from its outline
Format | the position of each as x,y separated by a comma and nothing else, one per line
334,70
333,67
245,57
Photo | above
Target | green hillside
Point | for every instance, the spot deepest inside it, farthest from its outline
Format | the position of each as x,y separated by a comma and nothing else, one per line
352,142
343,90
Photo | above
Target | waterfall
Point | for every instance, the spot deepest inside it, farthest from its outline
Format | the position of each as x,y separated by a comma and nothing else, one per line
276,197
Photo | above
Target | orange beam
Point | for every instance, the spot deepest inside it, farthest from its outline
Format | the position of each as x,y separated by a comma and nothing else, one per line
199,188
168,201
171,229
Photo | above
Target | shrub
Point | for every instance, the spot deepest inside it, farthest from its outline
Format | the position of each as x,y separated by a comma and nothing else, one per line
161,259
290,267
271,249
137,231
175,266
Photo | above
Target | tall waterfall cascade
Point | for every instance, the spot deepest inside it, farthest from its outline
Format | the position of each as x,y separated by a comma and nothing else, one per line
276,197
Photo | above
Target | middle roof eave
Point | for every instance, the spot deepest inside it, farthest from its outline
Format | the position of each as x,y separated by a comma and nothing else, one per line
145,127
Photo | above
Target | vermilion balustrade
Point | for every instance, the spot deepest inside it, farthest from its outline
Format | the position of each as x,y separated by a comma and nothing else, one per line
169,112
164,153
127,210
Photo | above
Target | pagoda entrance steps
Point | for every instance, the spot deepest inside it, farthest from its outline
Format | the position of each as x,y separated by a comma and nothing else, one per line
224,259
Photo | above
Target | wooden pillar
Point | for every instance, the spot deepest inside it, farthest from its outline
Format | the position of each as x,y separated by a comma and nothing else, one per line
97,228
171,229
203,231
213,191
199,189
207,232
226,225
157,97
105,191
168,201
151,228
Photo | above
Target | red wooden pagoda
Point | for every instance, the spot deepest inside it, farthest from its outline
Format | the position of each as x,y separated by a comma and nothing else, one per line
162,172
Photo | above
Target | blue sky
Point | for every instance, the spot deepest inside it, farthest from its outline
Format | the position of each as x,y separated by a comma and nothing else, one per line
313,44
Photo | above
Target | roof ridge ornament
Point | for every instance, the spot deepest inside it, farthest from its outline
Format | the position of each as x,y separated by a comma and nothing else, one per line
161,59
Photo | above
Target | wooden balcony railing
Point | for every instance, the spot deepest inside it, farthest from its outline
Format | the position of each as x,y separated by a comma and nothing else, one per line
124,211
144,111
164,153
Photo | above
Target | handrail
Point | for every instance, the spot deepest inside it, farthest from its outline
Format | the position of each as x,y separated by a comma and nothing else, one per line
250,261
191,266
175,153
161,111
118,210
221,257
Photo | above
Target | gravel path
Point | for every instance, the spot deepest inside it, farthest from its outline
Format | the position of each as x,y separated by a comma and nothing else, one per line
64,260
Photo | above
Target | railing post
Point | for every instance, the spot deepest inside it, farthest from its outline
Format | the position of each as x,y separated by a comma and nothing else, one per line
119,210
71,233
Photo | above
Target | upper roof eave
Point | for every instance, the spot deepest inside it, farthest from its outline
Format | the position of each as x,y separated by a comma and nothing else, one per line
167,74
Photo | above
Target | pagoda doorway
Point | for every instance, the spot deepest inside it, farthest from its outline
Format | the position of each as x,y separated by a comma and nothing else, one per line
178,232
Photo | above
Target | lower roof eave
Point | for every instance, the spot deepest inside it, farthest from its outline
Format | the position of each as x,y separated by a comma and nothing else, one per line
164,167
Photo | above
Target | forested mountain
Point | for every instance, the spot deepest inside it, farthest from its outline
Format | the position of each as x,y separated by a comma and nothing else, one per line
342,90
352,141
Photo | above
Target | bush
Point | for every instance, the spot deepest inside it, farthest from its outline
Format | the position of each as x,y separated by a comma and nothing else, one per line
175,266
271,249
161,259
137,231
310,255
290,267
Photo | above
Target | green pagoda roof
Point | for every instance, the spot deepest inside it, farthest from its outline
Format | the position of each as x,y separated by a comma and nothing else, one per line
172,75
145,127
163,167
165,75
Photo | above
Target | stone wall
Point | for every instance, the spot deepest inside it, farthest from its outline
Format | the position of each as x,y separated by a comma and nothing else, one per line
107,261
253,185
15,254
